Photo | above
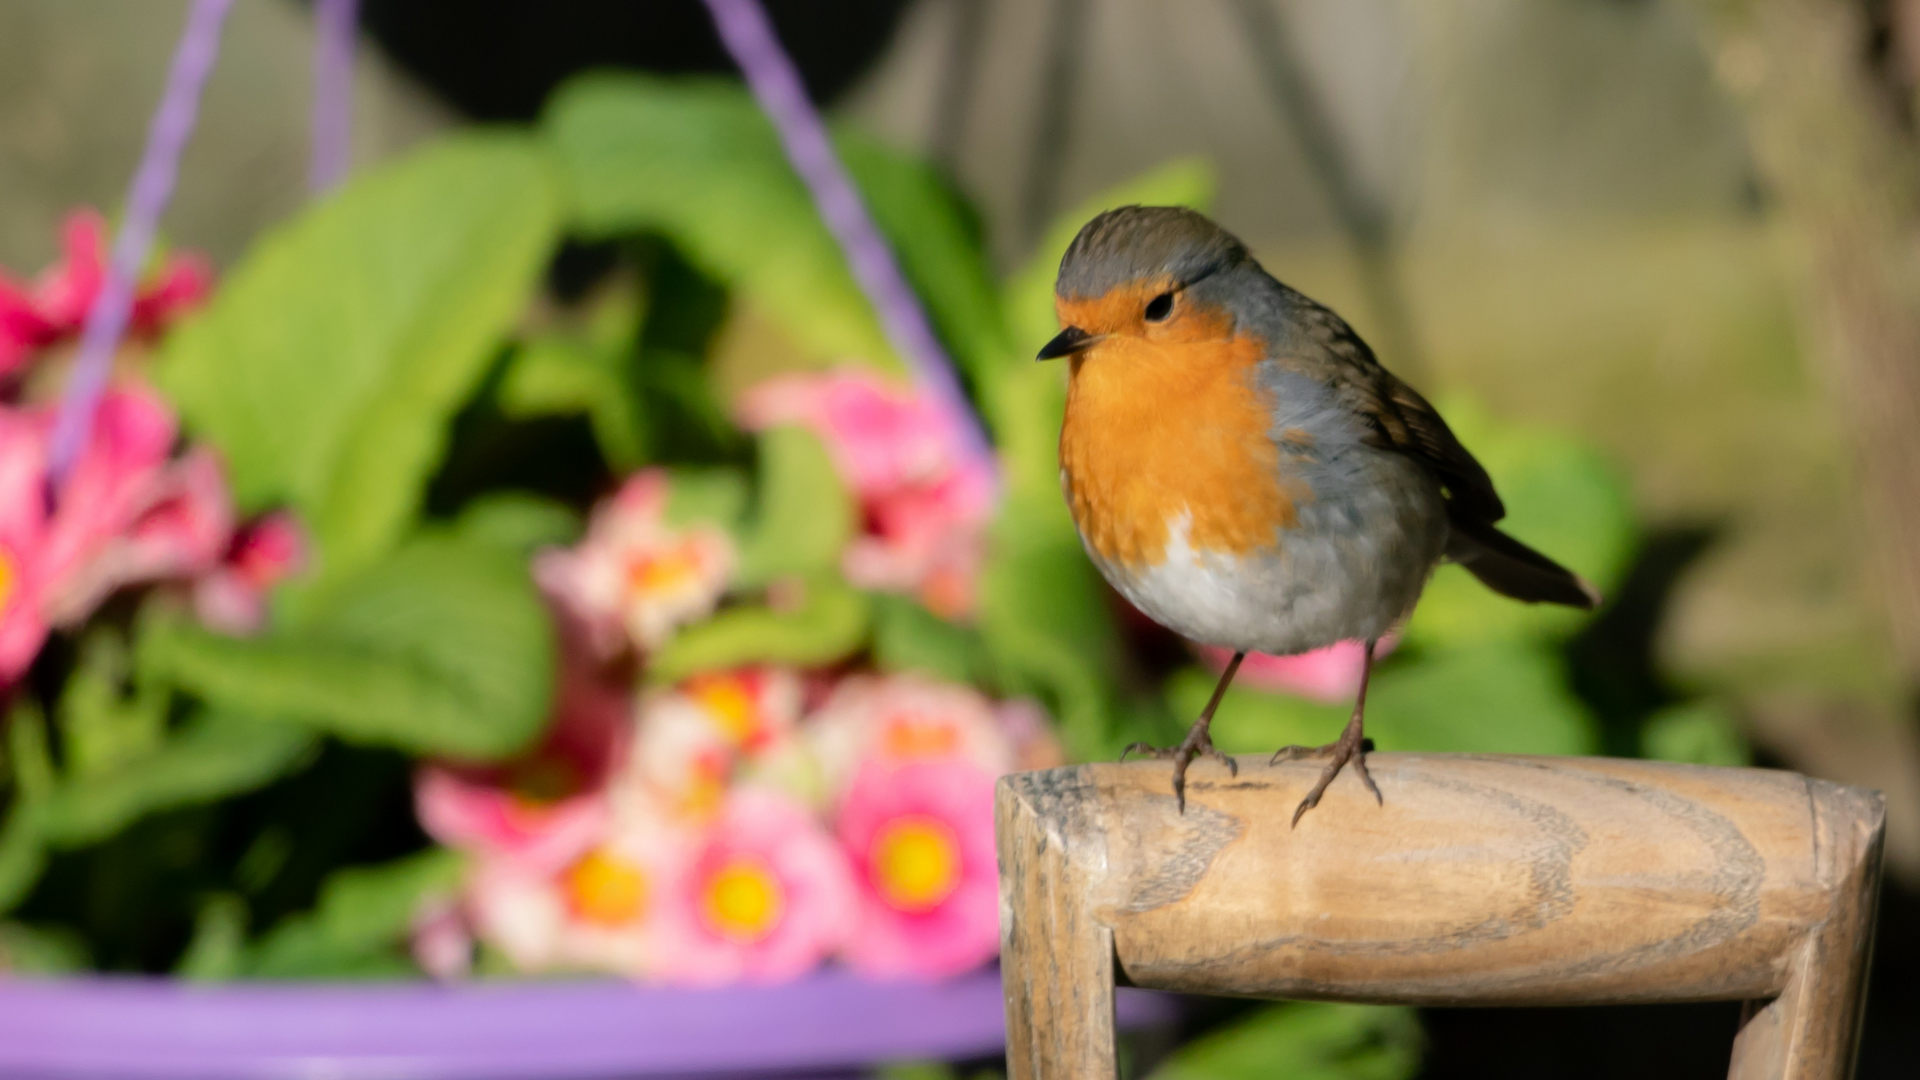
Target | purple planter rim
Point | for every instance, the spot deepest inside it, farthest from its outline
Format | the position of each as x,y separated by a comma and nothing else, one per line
126,1026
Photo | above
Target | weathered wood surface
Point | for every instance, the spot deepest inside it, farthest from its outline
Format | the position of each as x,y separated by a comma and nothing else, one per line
1484,880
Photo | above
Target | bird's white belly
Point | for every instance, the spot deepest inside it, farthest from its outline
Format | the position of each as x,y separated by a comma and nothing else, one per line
1349,570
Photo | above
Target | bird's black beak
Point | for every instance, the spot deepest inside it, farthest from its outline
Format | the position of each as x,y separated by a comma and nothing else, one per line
1066,343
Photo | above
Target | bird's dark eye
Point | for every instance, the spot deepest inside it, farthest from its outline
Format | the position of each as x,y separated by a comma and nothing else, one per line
1160,307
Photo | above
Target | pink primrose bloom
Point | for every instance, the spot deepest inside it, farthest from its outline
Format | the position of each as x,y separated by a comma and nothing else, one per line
54,306
896,720
606,909
766,897
127,513
1330,674
924,503
921,840
634,579
551,804
232,597
694,738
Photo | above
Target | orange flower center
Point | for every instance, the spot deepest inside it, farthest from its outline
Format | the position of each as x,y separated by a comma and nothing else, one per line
607,890
916,863
730,705
705,788
912,736
7,577
947,593
744,901
658,571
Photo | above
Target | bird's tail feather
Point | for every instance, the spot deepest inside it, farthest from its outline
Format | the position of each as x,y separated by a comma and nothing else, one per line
1511,568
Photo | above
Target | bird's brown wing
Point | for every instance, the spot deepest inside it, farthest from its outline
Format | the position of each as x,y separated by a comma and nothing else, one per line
1398,417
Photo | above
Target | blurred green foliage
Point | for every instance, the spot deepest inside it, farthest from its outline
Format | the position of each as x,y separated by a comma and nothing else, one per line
1304,1042
332,358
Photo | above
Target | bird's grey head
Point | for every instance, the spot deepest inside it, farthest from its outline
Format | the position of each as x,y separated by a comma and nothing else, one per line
1141,243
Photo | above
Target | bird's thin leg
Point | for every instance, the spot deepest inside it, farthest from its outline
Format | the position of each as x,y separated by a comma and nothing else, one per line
1351,746
1197,743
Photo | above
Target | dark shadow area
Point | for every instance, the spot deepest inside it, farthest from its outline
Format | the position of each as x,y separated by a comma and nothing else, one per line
1612,662
1646,1042
499,59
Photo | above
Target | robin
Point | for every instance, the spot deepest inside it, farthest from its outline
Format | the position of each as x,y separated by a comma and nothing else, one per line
1242,469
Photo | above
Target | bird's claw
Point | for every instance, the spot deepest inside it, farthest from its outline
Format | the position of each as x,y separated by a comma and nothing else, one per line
1196,744
1349,747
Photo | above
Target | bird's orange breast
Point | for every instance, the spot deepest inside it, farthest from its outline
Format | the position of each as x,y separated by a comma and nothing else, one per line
1154,429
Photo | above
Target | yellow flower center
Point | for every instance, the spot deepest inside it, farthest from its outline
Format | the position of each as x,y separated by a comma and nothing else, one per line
916,862
730,705
658,571
7,576
744,900
605,889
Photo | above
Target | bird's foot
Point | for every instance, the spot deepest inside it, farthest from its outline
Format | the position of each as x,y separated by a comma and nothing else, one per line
1197,744
1351,746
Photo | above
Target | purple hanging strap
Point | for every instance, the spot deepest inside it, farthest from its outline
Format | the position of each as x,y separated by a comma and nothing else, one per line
770,74
152,187
332,152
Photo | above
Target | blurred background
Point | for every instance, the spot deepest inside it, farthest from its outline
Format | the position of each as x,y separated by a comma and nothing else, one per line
1679,232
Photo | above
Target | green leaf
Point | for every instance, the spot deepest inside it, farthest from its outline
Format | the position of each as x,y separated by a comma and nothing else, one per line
917,1070
211,758
697,161
517,522
23,854
805,516
587,370
908,637
23,851
1024,399
442,648
27,949
361,919
218,946
830,623
27,752
101,725
715,497
1494,697
1701,732
1563,498
1046,619
329,364
939,246
1304,1041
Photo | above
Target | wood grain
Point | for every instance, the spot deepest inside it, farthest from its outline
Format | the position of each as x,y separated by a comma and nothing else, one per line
1484,880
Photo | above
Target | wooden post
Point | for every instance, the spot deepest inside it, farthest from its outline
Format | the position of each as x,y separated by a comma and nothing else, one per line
1484,880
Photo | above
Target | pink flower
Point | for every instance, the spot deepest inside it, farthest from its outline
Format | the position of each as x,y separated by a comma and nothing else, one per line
233,596
55,305
924,502
603,910
1331,674
692,738
440,939
127,513
921,840
767,897
898,720
550,805
1031,730
634,579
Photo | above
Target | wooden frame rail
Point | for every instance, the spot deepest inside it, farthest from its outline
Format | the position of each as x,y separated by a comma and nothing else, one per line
1484,880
